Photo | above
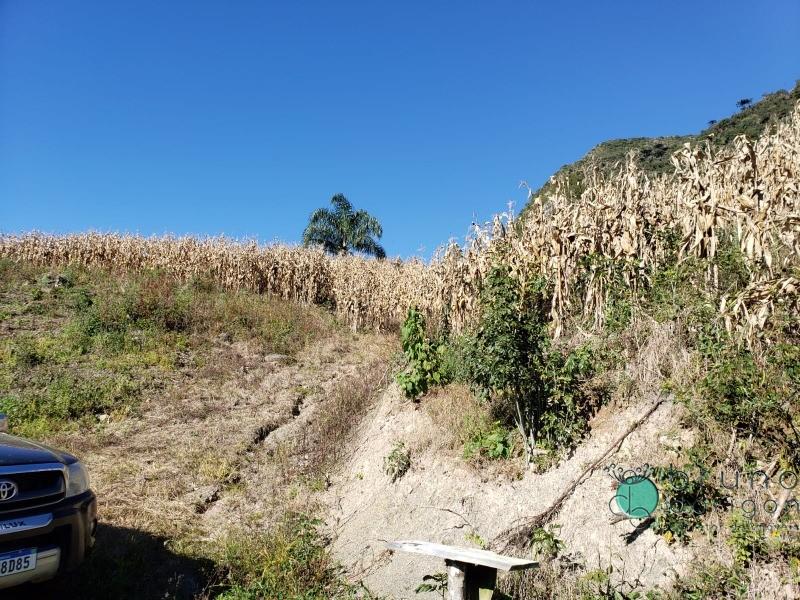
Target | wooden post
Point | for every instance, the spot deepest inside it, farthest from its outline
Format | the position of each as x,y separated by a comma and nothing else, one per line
481,582
456,580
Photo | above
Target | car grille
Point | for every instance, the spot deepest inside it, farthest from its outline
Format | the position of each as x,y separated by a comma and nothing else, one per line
34,488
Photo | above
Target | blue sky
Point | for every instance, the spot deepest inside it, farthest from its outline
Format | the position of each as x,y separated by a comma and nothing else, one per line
242,117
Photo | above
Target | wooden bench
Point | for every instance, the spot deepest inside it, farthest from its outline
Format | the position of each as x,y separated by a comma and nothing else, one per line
471,573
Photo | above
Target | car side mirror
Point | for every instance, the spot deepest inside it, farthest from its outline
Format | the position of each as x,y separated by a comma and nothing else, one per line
3,423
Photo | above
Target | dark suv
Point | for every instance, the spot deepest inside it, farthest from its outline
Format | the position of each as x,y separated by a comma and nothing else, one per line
48,514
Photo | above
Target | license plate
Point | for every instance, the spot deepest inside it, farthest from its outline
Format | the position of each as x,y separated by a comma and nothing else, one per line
17,561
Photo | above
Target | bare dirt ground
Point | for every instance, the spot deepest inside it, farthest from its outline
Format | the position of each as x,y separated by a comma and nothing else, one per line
443,499
210,457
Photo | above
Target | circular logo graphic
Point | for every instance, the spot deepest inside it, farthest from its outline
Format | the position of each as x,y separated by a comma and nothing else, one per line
636,497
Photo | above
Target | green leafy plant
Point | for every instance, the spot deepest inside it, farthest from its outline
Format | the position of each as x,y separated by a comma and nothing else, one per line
509,358
397,462
746,539
545,542
507,349
714,581
493,443
425,359
686,497
433,583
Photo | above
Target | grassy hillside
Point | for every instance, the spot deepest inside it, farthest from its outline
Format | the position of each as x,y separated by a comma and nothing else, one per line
168,392
653,154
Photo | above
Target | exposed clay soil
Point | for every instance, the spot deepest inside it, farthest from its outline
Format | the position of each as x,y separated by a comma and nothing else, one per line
443,499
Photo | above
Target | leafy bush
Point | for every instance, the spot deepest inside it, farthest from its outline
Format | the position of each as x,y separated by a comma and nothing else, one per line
433,583
736,393
752,395
746,539
506,352
714,581
397,462
545,543
568,404
686,497
495,442
510,357
425,359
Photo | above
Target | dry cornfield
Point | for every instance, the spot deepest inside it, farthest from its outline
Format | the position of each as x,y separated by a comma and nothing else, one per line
620,227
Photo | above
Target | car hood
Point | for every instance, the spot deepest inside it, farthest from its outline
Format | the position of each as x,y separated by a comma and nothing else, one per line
17,451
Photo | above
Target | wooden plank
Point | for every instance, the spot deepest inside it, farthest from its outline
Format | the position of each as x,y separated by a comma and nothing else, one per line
471,556
456,580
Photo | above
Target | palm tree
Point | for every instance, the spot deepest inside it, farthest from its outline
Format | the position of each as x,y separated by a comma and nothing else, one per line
342,230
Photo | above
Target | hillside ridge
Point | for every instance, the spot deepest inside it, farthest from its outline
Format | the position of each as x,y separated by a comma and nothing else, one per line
653,153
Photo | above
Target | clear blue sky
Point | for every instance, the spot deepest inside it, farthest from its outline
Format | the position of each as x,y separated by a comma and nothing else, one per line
154,116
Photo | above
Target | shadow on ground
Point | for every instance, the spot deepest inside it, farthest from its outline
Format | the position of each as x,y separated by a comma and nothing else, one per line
125,563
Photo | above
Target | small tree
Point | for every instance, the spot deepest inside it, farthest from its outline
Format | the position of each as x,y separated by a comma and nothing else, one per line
712,122
343,230
743,103
508,353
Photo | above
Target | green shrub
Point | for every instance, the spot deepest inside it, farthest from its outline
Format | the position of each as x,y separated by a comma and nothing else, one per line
509,357
435,583
736,394
425,359
686,496
714,581
755,396
545,542
397,462
505,355
494,442
746,539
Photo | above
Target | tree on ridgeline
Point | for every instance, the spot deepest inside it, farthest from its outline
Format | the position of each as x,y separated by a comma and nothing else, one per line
342,230
744,103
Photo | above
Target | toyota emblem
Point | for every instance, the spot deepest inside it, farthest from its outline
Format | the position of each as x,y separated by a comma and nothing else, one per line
8,489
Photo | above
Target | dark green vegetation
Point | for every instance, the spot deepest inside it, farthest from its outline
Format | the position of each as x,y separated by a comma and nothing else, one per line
79,347
653,154
426,359
688,494
343,230
510,361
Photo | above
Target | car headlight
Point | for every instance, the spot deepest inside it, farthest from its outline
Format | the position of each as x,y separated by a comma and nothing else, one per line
77,479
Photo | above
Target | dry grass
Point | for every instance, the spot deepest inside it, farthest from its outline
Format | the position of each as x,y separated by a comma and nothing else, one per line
336,419
456,412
